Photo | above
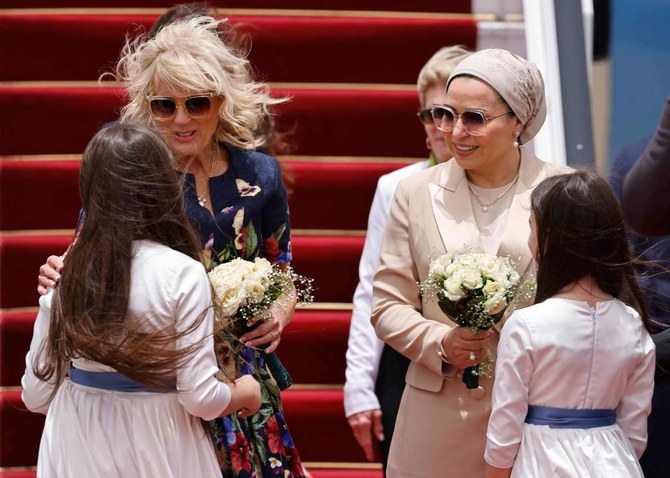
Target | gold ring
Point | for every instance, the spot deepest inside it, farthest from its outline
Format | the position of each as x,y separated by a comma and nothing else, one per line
472,356
272,334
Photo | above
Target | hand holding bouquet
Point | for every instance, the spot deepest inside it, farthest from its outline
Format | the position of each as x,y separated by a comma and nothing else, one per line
244,293
473,289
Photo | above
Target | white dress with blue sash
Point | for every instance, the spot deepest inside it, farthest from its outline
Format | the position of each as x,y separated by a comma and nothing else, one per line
565,355
95,432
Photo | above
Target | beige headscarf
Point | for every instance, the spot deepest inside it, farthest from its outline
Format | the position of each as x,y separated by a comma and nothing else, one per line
517,80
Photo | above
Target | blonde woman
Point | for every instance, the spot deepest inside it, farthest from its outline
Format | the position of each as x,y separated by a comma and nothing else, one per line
198,93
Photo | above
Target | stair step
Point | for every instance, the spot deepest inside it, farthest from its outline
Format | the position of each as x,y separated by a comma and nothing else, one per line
341,191
20,432
332,261
326,121
316,420
318,426
20,473
339,473
312,347
285,48
314,472
454,6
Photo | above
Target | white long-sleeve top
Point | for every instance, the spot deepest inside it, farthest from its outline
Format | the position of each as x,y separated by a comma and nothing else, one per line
563,354
364,348
167,289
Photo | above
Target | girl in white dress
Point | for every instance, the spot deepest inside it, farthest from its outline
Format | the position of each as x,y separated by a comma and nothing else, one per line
122,358
575,371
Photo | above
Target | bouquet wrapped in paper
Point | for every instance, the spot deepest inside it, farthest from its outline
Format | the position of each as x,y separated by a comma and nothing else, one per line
473,289
244,292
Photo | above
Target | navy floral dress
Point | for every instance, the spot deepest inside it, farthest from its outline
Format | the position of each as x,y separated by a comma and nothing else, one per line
250,219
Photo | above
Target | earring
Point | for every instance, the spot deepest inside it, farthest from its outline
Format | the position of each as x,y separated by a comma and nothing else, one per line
428,144
516,140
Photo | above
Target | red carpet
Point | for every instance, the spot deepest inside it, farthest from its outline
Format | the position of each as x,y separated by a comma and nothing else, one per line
453,6
310,414
344,137
41,45
341,190
312,347
331,260
326,122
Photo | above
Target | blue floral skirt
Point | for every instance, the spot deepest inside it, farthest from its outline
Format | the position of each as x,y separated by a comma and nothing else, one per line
259,445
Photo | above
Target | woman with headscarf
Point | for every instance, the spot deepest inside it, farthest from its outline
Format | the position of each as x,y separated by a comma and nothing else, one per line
480,200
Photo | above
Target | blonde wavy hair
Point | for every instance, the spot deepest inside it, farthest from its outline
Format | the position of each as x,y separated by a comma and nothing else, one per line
191,56
438,68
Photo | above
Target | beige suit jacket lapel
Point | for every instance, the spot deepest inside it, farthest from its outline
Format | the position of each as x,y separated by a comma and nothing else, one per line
452,209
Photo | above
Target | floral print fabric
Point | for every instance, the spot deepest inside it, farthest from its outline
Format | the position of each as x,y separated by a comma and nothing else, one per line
250,219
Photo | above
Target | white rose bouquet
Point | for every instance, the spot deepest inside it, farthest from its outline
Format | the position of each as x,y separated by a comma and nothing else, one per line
244,291
473,289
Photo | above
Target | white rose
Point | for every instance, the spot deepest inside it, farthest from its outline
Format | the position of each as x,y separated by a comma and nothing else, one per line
444,260
262,266
453,289
471,279
436,269
254,291
466,261
495,304
492,288
261,279
231,298
489,266
452,268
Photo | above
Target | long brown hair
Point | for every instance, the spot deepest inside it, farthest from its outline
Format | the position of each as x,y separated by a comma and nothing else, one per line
130,192
580,232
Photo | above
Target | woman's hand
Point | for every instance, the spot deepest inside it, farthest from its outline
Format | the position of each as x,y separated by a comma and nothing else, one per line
364,425
246,396
465,349
269,331
493,472
50,274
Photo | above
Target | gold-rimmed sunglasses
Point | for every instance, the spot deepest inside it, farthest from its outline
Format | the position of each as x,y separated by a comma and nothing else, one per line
474,121
165,108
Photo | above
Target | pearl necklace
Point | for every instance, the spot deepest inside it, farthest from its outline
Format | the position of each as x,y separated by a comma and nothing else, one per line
202,200
485,206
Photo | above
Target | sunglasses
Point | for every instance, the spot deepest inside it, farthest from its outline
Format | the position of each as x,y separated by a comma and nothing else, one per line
165,108
425,116
472,121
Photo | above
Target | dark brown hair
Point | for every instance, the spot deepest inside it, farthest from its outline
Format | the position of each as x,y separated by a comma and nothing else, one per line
130,192
580,232
179,11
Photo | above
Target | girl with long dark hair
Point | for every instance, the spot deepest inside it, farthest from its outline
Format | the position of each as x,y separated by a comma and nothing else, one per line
122,358
575,371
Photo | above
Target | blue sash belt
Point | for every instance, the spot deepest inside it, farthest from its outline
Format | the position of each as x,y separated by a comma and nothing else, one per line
107,381
569,417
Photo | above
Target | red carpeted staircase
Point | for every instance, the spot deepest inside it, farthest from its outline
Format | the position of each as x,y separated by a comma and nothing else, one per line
350,70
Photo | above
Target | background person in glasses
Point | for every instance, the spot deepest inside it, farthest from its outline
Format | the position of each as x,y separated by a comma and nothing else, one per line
198,93
375,374
480,199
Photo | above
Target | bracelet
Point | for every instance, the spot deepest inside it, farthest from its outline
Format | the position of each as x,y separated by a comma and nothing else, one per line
442,354
448,368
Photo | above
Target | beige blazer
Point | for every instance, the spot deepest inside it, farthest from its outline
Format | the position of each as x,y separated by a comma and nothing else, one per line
441,425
